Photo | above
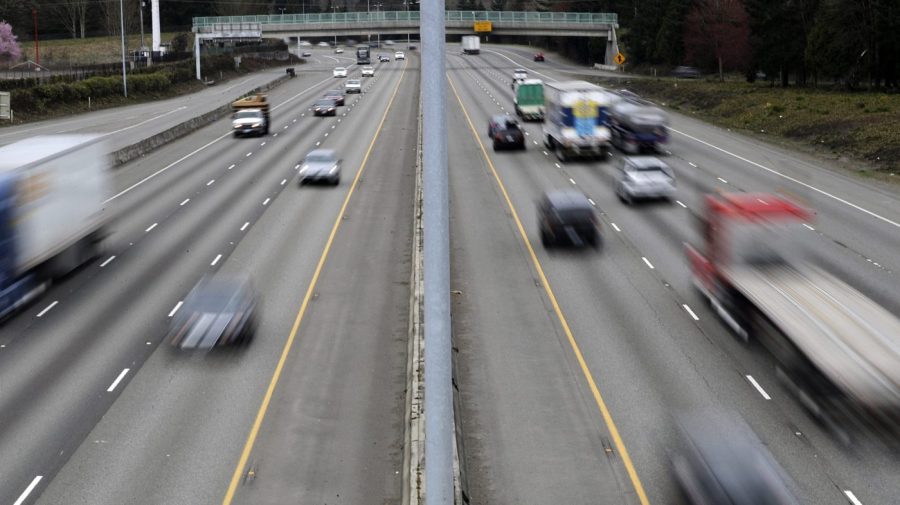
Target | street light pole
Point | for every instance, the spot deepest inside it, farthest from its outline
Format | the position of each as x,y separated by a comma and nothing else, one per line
334,22
141,10
122,27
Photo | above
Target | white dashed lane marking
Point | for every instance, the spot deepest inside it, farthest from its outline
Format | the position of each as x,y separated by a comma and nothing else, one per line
758,387
647,262
175,309
691,312
245,226
215,260
116,382
28,490
148,230
47,309
108,261
186,200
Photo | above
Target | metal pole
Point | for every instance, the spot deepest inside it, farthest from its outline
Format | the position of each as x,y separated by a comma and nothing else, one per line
142,25
122,27
369,20
37,46
438,389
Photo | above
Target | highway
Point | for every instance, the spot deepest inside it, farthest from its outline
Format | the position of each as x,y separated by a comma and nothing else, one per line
570,365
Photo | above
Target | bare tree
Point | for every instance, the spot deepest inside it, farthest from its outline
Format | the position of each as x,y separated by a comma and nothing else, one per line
73,15
242,7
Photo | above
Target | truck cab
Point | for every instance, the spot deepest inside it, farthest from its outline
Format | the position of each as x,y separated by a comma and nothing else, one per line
257,108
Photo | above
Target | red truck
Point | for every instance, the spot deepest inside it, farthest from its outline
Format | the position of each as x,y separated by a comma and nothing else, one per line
838,350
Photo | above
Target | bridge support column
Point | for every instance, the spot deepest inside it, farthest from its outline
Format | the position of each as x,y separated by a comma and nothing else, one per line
612,46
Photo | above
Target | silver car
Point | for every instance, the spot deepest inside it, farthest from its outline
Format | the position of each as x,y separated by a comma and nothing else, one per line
321,165
219,311
644,177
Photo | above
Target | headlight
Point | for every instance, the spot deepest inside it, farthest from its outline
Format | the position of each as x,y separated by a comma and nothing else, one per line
303,168
237,126
332,169
255,125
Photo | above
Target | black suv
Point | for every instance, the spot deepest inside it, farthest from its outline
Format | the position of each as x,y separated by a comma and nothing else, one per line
567,217
506,132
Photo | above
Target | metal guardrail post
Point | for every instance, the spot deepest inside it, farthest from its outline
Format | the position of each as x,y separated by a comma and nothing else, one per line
438,387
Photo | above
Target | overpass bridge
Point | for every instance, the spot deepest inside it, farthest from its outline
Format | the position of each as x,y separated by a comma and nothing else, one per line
358,24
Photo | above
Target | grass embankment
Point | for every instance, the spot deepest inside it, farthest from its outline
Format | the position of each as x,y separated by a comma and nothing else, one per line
845,126
88,51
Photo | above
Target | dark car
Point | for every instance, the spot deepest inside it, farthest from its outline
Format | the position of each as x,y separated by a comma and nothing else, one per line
506,132
567,217
324,107
686,72
218,311
721,460
336,95
538,56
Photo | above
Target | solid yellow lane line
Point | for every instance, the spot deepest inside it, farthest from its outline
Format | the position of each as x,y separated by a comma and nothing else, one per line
598,398
261,414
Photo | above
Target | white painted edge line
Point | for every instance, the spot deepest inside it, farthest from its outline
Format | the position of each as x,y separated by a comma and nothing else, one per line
116,382
215,260
210,183
808,226
758,387
231,166
186,200
723,180
647,262
175,309
245,226
107,262
592,202
679,203
148,230
692,164
283,182
615,227
266,201
689,311
852,497
773,171
573,181
248,154
47,309
28,490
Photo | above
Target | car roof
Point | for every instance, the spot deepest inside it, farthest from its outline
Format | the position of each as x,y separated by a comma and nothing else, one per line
645,161
325,99
520,70
340,68
567,199
331,153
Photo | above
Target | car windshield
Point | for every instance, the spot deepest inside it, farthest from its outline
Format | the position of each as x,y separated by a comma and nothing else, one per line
575,215
319,158
340,69
247,114
332,92
324,103
352,83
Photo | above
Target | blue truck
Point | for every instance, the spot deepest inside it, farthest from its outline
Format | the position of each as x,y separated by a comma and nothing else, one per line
52,219
636,124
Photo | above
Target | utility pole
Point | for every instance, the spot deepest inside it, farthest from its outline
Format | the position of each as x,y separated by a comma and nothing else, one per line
122,27
142,26
37,46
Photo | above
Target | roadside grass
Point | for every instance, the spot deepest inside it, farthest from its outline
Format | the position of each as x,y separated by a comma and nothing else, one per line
90,50
839,124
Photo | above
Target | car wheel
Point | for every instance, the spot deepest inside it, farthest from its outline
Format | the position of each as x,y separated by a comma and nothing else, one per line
545,239
336,181
496,146
522,145
236,135
548,142
561,154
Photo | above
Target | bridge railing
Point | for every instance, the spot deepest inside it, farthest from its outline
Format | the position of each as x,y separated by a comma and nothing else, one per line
549,18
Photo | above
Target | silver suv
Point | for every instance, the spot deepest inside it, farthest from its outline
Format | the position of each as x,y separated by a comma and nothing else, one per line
644,177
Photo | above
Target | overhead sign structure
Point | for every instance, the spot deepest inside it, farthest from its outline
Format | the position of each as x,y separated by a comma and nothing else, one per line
483,26
619,58
5,111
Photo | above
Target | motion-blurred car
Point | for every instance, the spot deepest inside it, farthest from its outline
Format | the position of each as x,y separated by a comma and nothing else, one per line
304,43
353,86
324,107
340,72
323,44
538,56
520,74
722,461
686,72
320,165
368,72
399,55
306,54
248,122
339,50
336,95
567,217
505,132
644,177
218,311
382,58
388,42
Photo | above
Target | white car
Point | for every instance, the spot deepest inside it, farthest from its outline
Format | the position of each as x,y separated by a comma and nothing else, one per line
368,71
388,42
399,55
304,43
340,72
353,86
520,73
323,44
339,50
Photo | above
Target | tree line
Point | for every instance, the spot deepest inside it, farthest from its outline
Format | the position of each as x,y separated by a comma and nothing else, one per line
800,42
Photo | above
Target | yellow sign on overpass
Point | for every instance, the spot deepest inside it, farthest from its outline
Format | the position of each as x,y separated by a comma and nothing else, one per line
483,26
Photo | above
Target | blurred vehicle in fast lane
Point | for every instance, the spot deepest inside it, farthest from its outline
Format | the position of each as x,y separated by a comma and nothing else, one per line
567,217
320,165
685,72
644,177
219,311
306,54
539,56
336,95
836,349
325,107
636,124
721,461
339,72
52,219
383,58
505,132
353,86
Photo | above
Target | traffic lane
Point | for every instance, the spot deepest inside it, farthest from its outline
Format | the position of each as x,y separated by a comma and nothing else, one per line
341,394
665,347
293,233
532,434
122,123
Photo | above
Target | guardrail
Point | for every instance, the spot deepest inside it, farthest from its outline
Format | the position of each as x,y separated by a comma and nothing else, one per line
550,18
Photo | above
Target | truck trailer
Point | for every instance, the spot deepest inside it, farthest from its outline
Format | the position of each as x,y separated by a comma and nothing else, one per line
637,125
575,120
258,103
52,218
471,44
529,99
835,348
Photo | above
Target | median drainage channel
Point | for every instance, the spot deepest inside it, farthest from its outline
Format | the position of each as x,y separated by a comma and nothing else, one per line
142,147
414,423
